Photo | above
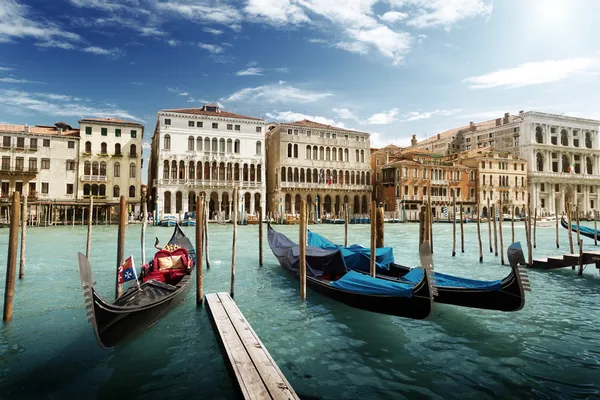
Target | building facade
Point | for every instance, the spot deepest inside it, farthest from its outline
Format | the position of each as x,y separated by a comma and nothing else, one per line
500,176
415,177
326,166
40,161
207,151
110,162
562,154
379,159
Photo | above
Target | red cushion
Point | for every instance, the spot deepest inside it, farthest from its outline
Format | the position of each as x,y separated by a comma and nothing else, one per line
156,275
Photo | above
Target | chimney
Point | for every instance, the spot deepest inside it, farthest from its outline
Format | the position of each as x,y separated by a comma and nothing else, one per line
472,126
521,112
413,140
498,121
505,118
439,136
26,128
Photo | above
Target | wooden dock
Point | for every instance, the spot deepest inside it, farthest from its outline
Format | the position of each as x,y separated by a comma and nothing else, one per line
255,372
567,260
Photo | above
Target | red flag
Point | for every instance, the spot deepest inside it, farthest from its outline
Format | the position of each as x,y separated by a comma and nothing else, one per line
330,181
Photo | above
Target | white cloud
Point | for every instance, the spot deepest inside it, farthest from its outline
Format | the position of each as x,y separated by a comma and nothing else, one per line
277,94
60,44
282,69
378,140
221,14
534,73
5,69
345,113
146,145
291,116
390,43
417,115
172,43
184,94
252,64
106,5
250,71
434,13
383,118
16,22
353,47
69,108
393,16
317,40
103,52
213,31
281,82
14,80
276,12
212,48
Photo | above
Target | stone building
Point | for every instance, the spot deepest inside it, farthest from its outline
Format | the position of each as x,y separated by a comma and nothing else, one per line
415,177
500,176
111,161
562,154
40,161
206,151
379,159
326,166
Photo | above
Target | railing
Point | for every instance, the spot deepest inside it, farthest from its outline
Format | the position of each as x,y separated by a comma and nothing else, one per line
94,178
308,185
439,182
132,155
209,183
9,169
406,197
118,155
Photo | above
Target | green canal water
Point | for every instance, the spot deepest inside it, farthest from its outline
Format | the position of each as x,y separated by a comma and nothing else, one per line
550,349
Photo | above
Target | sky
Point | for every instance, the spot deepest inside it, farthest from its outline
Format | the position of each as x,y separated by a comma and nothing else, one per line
392,68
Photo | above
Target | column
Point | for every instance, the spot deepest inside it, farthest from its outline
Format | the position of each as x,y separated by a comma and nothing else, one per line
230,208
562,197
252,205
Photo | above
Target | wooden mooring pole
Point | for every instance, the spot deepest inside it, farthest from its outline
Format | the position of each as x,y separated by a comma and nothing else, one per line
373,239
500,218
235,201
199,249
595,228
120,243
570,228
11,259
479,234
23,237
88,247
495,231
578,227
302,240
528,229
556,222
206,246
580,257
379,240
462,230
535,227
489,210
260,236
453,225
346,218
512,224
430,227
144,224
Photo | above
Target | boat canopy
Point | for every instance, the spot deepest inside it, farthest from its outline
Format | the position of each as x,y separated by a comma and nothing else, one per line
415,275
356,257
365,284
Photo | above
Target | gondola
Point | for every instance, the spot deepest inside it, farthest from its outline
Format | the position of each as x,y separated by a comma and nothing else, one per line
138,309
507,294
328,275
584,230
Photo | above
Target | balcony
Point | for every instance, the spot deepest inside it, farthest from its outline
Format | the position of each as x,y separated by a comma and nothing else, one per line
199,183
18,170
307,185
86,153
118,155
439,182
94,178
132,155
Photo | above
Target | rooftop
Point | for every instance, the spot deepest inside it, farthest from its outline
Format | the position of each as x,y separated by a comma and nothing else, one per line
211,110
41,129
110,121
305,123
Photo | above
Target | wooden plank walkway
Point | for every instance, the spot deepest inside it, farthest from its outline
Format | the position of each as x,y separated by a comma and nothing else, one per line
256,374
567,260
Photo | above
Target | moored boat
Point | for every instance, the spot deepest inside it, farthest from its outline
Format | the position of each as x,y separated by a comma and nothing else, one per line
327,274
161,288
584,230
507,294
168,220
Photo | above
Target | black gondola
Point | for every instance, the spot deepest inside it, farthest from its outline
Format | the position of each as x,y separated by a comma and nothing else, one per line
584,230
137,308
328,275
507,294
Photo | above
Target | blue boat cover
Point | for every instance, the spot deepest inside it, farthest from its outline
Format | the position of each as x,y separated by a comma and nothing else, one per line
415,275
356,257
360,283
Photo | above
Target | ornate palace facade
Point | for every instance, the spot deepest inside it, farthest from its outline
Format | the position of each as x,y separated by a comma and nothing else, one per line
206,151
326,166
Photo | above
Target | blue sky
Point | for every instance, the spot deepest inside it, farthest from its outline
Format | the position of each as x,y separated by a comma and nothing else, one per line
392,68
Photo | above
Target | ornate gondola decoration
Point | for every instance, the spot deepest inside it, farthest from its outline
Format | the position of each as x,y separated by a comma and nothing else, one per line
162,286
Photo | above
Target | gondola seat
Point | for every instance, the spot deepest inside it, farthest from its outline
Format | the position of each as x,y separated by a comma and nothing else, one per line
169,266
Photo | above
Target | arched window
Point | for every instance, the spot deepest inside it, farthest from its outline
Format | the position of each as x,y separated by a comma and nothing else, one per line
191,143
103,149
321,153
315,155
102,168
192,170
117,149
116,191
565,163
174,169
166,170
167,142
340,154
346,153
308,152
88,147
357,155
87,168
132,170
117,170
589,166
290,150
181,169
229,146
362,156
214,145
283,176
328,153
207,145
221,145
131,191
133,151
334,154
258,148
199,144
540,161
95,168
236,147
564,137
167,203
86,189
102,191
295,151
94,190
539,136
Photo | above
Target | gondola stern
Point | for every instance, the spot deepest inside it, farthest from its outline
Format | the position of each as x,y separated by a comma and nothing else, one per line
89,295
517,262
428,285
